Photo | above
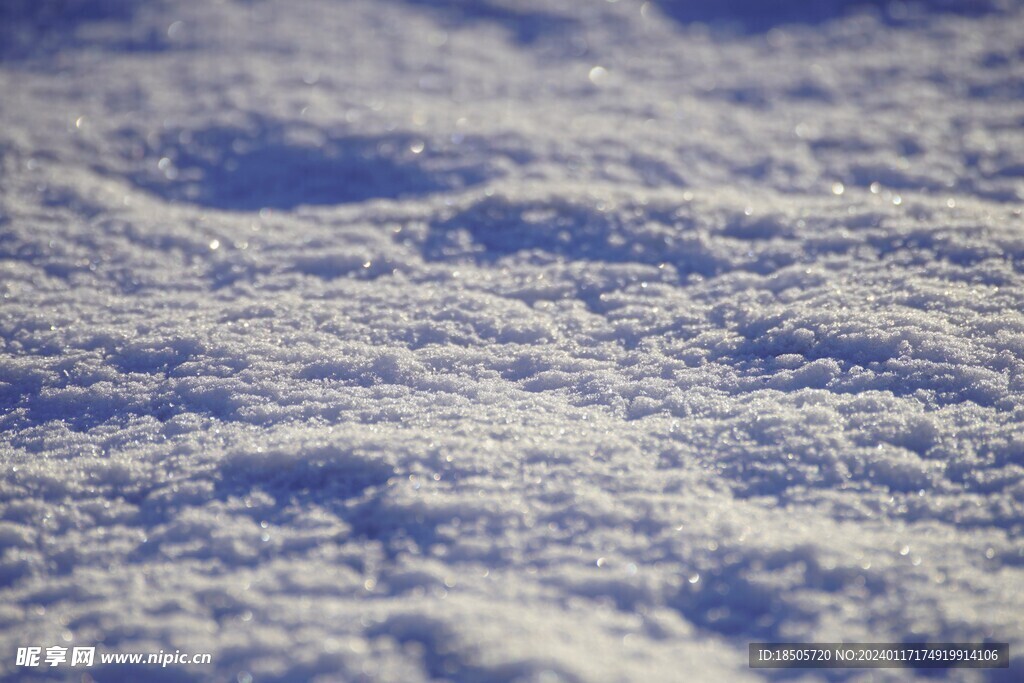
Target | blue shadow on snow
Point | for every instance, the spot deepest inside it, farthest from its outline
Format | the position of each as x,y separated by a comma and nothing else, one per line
282,166
758,16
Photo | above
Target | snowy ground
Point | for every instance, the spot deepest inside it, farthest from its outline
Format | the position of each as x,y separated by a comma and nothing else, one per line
509,341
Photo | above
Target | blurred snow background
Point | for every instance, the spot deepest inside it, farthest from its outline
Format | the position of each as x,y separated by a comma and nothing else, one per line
509,341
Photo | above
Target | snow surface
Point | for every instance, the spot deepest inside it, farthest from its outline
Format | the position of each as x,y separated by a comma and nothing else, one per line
509,341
